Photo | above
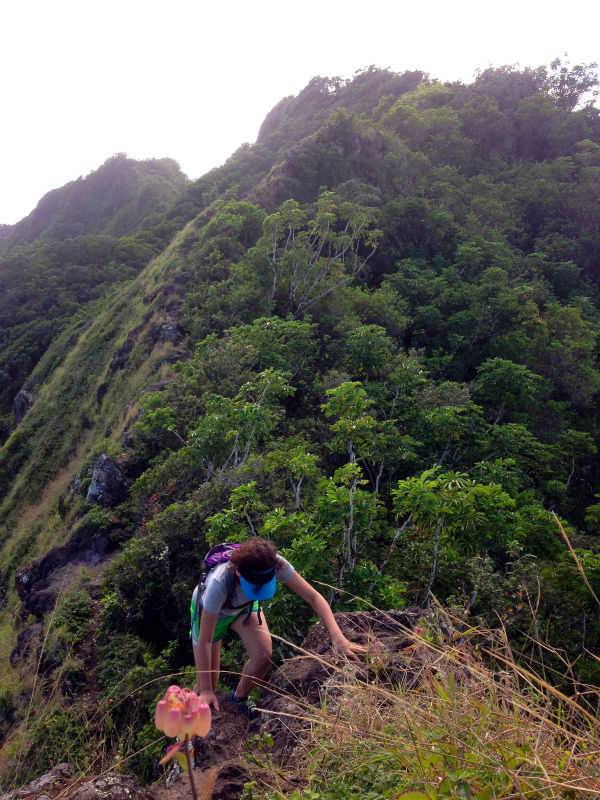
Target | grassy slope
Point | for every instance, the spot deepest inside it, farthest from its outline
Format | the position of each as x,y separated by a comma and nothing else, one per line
66,414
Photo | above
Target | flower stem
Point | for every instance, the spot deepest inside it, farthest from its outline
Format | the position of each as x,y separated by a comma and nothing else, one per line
186,745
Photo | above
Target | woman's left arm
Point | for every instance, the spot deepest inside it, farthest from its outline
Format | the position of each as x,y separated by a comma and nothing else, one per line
304,590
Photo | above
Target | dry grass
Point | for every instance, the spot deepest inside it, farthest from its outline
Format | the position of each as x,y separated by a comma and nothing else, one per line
468,722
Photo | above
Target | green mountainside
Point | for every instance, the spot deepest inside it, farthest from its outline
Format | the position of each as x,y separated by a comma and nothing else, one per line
81,241
371,336
120,198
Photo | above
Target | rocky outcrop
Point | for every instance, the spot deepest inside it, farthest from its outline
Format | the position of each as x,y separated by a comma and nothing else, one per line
39,583
59,783
21,405
110,787
109,486
306,679
28,638
166,332
48,786
171,333
305,676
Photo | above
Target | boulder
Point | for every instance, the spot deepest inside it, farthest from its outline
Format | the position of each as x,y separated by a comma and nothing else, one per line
51,784
28,638
170,333
109,486
126,440
110,787
21,405
306,679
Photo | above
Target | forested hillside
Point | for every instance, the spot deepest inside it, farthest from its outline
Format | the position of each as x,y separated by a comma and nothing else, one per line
80,241
120,198
371,337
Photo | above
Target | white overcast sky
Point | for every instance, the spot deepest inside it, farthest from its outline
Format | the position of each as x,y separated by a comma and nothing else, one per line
82,80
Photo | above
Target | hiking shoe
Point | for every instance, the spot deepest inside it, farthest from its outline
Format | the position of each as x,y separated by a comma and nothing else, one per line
245,706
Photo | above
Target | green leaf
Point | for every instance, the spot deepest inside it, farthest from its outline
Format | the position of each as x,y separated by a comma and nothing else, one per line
182,761
463,790
413,796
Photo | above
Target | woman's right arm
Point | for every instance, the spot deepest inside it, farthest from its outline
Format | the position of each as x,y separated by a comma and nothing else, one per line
203,659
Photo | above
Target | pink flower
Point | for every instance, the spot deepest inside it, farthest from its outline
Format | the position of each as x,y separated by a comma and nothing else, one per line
202,720
161,714
173,722
180,713
187,725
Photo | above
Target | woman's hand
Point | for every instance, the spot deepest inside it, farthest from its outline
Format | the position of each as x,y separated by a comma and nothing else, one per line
209,698
352,650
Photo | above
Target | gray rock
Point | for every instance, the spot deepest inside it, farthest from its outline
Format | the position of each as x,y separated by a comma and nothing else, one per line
55,780
109,486
127,440
111,787
170,333
21,405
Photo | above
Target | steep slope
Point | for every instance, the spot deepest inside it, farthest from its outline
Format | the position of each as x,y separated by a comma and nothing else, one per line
376,344
61,261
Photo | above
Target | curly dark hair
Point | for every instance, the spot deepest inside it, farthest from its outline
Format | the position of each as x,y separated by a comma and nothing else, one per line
254,555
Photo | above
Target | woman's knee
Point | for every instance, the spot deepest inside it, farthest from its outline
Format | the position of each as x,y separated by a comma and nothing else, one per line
261,650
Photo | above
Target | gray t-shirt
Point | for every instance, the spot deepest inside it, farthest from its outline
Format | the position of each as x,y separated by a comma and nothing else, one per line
222,593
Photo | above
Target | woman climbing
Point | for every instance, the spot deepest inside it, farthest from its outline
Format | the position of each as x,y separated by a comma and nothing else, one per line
230,599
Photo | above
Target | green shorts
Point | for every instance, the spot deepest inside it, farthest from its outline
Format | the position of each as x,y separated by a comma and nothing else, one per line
222,626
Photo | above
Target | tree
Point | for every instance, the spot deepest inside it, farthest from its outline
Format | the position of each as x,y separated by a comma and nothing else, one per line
375,443
569,86
230,427
311,258
505,386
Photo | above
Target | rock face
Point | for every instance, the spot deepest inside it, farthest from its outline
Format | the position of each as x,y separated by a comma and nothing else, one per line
109,485
40,582
21,405
28,638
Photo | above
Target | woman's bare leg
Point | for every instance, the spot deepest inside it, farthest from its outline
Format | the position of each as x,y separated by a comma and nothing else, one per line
257,641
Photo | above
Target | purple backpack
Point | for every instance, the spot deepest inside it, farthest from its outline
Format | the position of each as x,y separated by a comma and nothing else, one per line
215,556
218,554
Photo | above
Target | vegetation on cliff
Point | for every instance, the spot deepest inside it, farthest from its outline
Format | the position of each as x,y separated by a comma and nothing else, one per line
372,337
